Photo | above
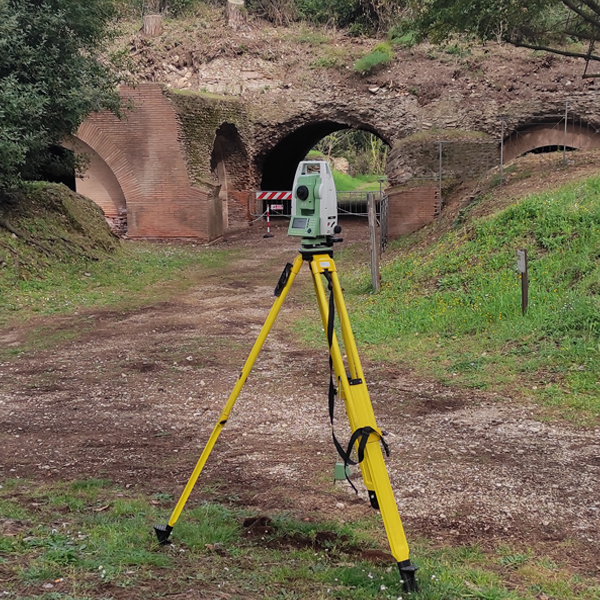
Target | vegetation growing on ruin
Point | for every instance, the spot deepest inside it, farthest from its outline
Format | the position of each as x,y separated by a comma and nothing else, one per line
380,56
552,25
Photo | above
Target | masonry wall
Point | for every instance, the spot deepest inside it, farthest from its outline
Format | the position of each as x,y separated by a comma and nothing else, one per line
238,209
576,136
98,182
144,152
465,155
200,117
411,208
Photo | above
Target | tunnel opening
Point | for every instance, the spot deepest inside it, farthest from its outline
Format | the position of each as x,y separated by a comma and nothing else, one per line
551,148
314,140
357,156
98,182
279,165
229,165
546,136
229,159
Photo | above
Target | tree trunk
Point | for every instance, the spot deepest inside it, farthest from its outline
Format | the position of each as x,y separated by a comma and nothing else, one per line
236,13
152,25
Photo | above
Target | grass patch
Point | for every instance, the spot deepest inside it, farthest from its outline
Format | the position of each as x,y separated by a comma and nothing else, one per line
117,279
452,308
107,544
311,37
360,183
380,56
64,259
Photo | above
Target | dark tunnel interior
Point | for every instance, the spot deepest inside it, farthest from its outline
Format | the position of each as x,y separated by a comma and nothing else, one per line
279,166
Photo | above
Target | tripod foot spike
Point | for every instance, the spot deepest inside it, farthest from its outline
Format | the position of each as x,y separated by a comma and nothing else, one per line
407,575
162,533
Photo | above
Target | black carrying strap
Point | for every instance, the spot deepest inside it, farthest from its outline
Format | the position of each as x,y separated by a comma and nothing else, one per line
361,435
330,324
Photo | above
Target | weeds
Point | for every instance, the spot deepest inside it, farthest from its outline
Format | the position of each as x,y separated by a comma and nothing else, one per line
122,279
106,544
457,302
380,56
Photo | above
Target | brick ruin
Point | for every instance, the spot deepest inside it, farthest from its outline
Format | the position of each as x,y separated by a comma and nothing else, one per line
183,164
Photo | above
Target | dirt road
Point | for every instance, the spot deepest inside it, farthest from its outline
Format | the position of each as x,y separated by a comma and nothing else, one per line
134,397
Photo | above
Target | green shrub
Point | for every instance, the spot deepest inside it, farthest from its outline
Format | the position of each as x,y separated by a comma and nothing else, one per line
398,35
148,7
341,12
381,55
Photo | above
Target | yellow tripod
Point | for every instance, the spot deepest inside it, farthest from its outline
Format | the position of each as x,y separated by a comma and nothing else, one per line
366,435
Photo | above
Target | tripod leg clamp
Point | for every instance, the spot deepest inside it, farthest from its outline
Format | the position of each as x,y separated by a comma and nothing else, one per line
407,575
162,533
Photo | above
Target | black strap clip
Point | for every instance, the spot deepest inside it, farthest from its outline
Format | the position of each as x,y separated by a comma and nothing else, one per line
283,279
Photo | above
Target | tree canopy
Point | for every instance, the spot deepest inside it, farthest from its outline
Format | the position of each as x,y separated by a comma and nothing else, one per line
50,78
550,25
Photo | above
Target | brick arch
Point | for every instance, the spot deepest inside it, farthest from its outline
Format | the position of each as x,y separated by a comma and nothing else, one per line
528,138
98,182
112,156
277,165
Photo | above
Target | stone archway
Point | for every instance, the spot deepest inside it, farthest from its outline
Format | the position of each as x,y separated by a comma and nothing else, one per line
278,165
230,164
552,135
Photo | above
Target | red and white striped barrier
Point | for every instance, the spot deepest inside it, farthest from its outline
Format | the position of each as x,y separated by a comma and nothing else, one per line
273,195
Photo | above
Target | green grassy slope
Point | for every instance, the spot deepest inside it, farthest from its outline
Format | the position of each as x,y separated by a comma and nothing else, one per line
453,308
63,256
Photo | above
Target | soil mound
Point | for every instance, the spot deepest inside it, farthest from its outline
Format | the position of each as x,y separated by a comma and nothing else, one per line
45,223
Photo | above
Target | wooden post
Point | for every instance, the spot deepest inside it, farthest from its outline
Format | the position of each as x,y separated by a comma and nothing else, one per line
152,25
502,153
565,134
235,13
440,167
524,270
375,275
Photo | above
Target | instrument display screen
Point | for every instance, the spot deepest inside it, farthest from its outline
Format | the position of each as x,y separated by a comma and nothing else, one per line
299,223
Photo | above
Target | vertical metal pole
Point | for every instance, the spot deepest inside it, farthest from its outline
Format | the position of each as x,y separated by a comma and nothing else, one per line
375,275
440,144
268,234
565,136
502,153
523,268
525,287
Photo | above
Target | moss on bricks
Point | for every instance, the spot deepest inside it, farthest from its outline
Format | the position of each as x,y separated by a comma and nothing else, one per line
200,115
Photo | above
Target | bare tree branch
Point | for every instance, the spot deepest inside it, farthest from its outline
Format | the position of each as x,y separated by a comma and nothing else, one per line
556,51
584,15
593,5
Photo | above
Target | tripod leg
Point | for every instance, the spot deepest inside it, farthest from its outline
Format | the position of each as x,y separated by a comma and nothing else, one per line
164,531
360,414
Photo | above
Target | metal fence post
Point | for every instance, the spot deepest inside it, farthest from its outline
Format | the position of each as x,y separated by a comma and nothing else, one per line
375,275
